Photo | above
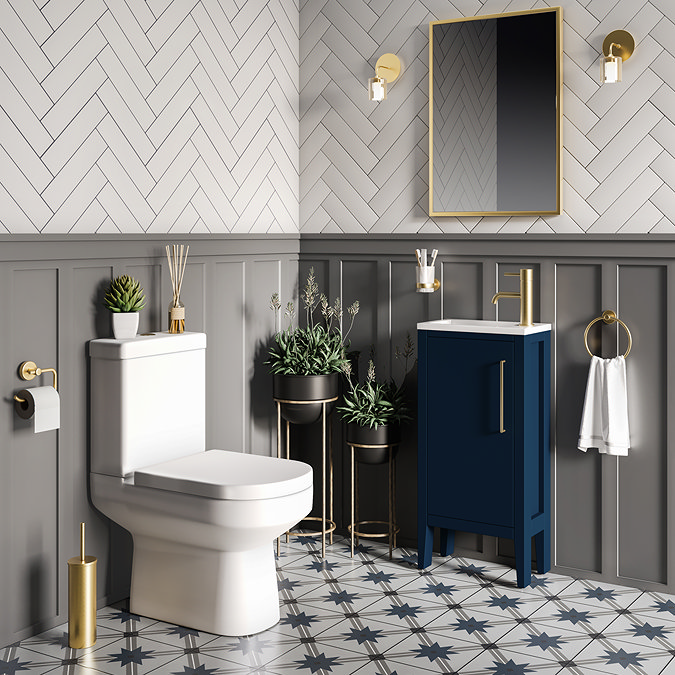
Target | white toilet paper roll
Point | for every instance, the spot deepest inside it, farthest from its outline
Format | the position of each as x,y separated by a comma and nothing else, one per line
42,405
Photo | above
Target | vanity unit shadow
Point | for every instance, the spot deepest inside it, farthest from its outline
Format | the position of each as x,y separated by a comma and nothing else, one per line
483,425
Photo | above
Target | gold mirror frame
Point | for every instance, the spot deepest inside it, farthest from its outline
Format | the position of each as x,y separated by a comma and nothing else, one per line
558,209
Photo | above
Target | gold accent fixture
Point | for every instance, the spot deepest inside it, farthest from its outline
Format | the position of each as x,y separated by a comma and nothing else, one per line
617,48
619,43
28,371
392,528
436,285
387,69
525,295
81,598
327,523
609,317
501,396
558,103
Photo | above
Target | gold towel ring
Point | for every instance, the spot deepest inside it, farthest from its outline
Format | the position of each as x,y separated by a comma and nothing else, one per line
608,316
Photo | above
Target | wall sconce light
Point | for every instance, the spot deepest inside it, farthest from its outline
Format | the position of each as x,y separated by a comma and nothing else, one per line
617,48
387,69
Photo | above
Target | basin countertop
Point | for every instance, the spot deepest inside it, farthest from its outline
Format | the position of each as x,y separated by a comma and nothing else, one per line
483,326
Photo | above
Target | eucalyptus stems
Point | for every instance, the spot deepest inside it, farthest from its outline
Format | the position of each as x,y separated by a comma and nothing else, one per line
319,348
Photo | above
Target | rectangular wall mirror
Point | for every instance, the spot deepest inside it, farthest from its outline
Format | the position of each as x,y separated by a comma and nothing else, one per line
495,94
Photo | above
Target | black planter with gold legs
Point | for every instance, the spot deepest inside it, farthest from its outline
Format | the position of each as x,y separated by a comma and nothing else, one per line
304,399
373,446
302,395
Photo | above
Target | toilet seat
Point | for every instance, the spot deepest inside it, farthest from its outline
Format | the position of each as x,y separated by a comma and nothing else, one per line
227,475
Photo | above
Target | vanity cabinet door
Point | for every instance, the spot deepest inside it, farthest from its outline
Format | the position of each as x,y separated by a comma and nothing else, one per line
470,435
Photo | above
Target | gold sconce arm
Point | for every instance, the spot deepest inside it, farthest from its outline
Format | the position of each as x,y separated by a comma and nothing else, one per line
28,371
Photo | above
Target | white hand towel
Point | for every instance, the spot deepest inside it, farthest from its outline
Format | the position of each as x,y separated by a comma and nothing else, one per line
604,421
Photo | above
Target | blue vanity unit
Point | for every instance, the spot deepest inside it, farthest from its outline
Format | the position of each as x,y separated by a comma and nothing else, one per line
483,425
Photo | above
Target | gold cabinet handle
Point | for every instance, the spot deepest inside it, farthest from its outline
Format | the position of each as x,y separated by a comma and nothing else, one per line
501,396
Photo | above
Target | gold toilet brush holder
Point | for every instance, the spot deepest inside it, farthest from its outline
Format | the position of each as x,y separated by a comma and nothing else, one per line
82,598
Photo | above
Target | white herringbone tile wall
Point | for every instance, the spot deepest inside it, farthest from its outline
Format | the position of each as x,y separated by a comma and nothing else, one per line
149,116
186,116
364,164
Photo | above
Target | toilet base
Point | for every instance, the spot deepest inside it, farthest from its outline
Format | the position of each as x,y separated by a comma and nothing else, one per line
223,592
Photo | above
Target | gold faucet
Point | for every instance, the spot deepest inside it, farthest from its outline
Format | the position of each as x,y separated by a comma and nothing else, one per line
525,295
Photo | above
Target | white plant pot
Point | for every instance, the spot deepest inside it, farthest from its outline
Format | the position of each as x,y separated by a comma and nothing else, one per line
124,325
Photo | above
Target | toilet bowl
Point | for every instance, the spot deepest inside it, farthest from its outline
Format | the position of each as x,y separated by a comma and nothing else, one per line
202,521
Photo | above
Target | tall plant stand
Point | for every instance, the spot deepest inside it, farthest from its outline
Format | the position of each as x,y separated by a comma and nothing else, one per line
392,528
327,523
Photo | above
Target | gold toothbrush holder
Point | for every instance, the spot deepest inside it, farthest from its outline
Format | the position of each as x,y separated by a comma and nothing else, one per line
82,598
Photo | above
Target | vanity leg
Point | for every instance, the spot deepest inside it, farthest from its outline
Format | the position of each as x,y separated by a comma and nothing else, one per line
425,541
542,543
523,547
447,542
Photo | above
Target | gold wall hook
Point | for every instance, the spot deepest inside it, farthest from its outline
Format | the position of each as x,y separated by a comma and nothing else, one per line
28,370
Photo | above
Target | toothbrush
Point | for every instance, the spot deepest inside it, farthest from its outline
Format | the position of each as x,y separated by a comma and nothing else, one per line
417,254
423,255
434,253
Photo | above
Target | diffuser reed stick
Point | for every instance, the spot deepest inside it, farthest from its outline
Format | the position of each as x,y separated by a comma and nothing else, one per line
176,256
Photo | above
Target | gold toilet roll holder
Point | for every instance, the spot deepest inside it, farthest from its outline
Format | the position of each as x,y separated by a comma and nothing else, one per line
29,371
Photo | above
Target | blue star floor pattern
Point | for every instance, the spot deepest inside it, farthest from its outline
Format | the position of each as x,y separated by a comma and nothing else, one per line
372,616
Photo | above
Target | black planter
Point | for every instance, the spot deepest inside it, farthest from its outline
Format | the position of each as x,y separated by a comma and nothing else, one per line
305,388
385,434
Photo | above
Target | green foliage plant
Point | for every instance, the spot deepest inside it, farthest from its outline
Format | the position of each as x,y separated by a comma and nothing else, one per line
373,403
123,295
318,348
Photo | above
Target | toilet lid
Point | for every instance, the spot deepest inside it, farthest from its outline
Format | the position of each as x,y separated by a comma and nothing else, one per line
223,474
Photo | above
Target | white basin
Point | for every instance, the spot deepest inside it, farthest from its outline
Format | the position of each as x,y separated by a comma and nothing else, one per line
481,326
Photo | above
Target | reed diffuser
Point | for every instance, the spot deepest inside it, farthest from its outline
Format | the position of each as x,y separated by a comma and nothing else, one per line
177,258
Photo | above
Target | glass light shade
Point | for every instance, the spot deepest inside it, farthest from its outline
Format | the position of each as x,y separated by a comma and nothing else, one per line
377,89
611,69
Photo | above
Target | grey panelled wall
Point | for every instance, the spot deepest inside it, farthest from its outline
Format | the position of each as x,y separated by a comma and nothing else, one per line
50,307
610,515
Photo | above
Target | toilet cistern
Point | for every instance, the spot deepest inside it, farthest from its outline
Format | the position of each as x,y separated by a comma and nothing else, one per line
525,295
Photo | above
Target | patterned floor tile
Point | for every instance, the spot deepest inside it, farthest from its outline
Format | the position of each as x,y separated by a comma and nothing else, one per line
435,653
374,616
657,605
253,651
504,603
599,595
498,662
612,656
319,658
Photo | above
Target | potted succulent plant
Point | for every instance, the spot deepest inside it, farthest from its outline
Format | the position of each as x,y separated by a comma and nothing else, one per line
124,298
306,361
375,410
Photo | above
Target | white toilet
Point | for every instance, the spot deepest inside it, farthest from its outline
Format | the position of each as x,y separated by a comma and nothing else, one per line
203,521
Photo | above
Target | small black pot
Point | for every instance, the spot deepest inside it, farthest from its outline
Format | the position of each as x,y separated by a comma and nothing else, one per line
384,434
305,388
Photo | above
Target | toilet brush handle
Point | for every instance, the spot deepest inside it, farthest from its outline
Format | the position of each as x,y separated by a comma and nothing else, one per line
82,542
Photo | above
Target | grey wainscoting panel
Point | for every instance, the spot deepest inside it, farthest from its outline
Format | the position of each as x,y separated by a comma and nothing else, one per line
263,277
33,458
359,282
642,486
574,281
225,356
50,300
7,618
462,289
153,316
82,319
577,475
193,295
